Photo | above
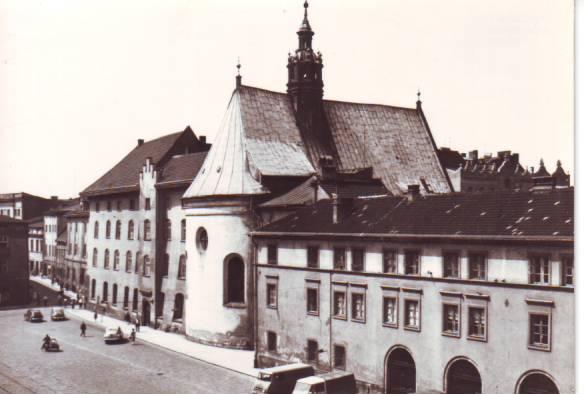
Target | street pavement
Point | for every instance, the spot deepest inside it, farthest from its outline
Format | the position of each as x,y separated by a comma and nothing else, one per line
88,365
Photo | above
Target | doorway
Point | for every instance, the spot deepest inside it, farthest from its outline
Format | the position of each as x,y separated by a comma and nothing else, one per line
463,378
400,373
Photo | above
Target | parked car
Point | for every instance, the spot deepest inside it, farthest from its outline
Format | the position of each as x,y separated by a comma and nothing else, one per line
58,313
34,315
336,382
281,380
113,334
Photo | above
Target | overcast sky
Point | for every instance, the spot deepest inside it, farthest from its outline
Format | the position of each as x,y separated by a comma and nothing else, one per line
81,81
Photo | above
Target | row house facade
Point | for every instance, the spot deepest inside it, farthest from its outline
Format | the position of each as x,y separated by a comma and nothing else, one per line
75,259
36,242
26,206
55,225
456,293
14,270
136,230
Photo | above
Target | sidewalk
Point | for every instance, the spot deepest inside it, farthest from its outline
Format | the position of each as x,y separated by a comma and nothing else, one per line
236,360
54,286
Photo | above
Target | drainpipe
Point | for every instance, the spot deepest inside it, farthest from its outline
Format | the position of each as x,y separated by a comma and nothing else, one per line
331,306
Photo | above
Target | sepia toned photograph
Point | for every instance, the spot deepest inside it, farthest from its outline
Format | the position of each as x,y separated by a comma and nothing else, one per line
287,196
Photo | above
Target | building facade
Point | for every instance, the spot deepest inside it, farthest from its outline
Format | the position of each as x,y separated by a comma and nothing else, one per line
55,226
450,294
36,245
136,230
270,145
26,206
13,261
75,261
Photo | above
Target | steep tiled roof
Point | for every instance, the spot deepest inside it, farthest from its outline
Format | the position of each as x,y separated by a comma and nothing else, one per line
505,213
182,168
126,173
300,195
394,141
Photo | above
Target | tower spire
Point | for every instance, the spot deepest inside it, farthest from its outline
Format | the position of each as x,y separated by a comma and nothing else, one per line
419,102
238,76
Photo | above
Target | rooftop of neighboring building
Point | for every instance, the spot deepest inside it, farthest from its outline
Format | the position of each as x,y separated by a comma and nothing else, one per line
125,175
10,220
515,214
182,168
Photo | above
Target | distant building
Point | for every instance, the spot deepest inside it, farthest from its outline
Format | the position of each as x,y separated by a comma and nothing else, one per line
25,206
471,173
13,261
457,293
55,225
76,252
36,242
137,230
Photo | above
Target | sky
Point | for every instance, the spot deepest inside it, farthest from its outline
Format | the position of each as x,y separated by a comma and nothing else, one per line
82,80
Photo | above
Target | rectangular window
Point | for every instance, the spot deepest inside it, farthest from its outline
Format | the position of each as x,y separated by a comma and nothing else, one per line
412,314
312,351
568,270
273,254
272,341
312,301
477,266
357,256
272,295
539,331
132,204
390,311
340,357
358,307
389,261
451,319
477,323
339,259
412,258
340,304
450,261
147,204
539,270
312,256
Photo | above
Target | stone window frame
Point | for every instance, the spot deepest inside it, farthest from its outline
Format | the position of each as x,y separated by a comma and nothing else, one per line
469,334
485,255
272,285
387,293
564,258
343,291
417,253
317,291
394,253
538,307
446,306
272,253
541,274
445,262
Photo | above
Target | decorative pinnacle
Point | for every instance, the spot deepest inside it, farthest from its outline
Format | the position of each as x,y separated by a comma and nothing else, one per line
238,66
305,8
419,94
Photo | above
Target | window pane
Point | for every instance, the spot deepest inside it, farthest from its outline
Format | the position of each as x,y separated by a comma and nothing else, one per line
339,258
358,306
412,263
339,304
389,310
389,261
357,257
312,301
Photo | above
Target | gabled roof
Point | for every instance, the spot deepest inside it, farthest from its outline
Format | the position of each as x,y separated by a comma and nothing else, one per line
182,168
125,176
302,194
512,214
394,141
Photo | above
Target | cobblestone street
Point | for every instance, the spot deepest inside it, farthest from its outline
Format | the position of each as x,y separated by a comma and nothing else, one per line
88,365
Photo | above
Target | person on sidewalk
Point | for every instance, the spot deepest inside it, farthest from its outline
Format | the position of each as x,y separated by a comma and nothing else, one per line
137,325
95,315
72,303
83,328
133,336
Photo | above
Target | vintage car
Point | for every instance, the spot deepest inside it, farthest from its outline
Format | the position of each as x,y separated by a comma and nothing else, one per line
113,334
34,316
58,313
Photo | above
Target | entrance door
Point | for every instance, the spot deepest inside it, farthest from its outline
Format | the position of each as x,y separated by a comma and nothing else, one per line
400,373
538,383
145,313
463,378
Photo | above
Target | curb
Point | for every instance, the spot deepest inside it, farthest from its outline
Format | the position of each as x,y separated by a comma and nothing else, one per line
101,327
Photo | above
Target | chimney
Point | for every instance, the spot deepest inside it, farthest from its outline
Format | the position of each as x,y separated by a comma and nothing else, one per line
413,192
202,139
473,155
140,142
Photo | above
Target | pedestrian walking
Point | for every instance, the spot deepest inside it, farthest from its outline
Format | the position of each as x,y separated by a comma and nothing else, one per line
95,315
83,328
133,336
73,302
137,325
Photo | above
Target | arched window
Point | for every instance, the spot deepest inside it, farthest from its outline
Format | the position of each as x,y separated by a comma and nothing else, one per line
179,301
118,229
108,229
96,230
137,268
92,288
235,280
146,271
182,266
147,230
114,294
168,230
104,292
131,230
183,230
94,257
117,260
128,261
126,296
106,259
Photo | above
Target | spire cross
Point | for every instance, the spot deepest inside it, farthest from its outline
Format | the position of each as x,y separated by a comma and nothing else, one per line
238,66
305,8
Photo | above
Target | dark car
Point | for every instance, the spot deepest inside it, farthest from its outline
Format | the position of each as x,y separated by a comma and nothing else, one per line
34,315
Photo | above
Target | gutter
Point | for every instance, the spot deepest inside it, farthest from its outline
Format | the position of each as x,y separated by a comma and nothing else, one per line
421,237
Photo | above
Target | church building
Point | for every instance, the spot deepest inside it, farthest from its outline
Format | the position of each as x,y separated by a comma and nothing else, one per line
271,150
